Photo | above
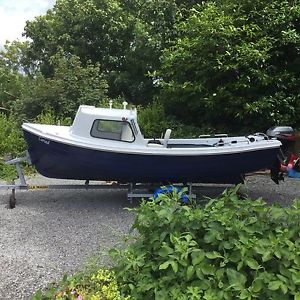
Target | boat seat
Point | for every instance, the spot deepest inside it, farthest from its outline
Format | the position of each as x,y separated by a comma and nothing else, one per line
154,143
166,137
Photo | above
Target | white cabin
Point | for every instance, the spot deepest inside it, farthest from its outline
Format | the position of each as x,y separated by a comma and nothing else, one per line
107,123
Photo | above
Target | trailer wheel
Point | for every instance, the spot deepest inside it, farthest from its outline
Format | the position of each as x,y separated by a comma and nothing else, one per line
12,200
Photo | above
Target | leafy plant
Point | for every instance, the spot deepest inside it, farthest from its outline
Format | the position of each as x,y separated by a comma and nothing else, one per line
154,121
234,63
11,140
100,285
12,144
48,117
230,249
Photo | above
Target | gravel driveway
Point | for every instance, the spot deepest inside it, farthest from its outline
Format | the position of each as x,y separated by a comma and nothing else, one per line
51,232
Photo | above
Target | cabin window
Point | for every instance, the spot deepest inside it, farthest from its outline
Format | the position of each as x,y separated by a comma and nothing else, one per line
112,130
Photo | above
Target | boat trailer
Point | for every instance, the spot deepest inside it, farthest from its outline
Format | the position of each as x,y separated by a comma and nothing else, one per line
134,190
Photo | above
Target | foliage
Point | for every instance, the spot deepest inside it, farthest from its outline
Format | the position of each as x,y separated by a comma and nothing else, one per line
71,85
100,285
48,117
154,121
11,79
152,31
11,140
235,63
92,30
230,249
126,38
12,144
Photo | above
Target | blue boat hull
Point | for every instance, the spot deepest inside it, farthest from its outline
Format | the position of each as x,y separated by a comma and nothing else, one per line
58,160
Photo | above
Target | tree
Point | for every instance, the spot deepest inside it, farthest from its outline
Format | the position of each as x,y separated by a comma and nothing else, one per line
125,37
235,63
71,85
92,30
152,32
11,73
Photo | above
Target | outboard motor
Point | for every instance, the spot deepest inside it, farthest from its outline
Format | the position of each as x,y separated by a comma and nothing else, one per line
286,135
290,161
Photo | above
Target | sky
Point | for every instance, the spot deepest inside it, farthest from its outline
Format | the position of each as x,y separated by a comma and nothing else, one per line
15,13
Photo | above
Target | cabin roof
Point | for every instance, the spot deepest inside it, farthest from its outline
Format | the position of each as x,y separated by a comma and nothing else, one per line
107,113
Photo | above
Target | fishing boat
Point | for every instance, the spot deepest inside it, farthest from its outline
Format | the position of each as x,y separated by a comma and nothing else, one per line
107,144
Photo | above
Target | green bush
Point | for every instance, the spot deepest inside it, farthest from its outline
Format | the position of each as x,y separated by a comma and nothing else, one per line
11,139
12,144
154,121
234,64
48,117
230,249
100,285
